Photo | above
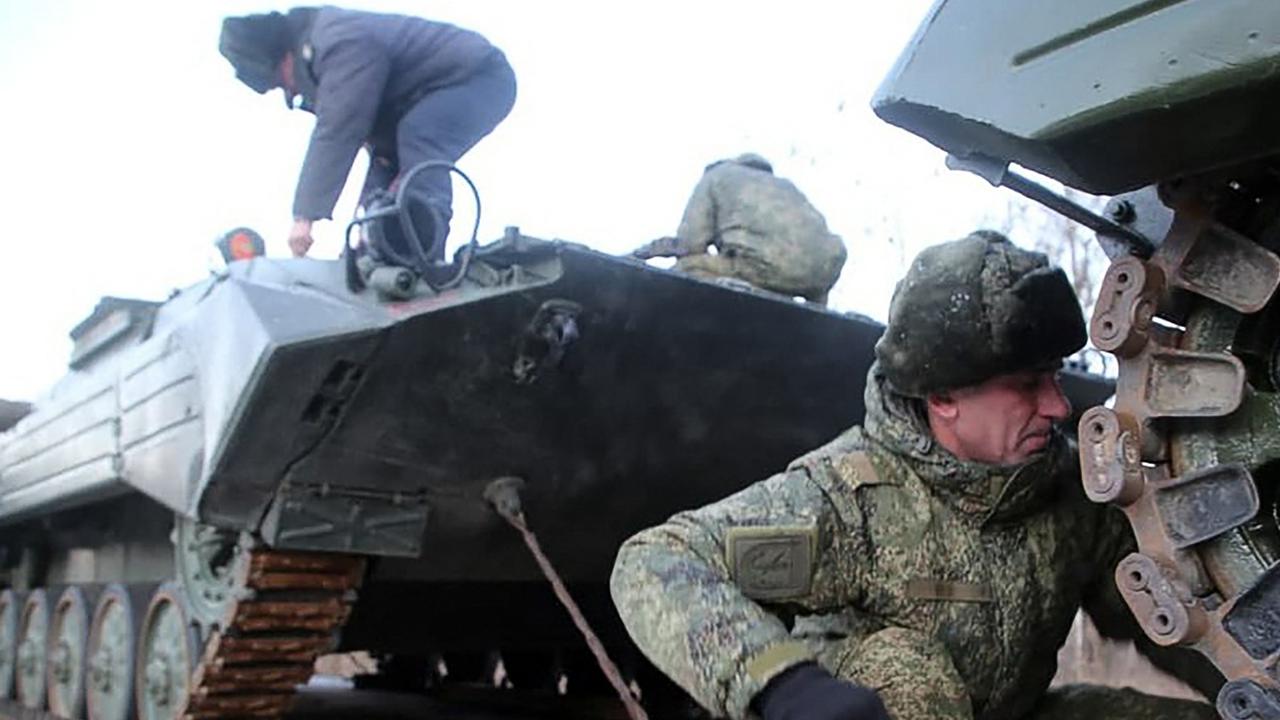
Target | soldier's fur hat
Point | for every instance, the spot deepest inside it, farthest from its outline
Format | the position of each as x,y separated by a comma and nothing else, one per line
971,309
753,160
255,45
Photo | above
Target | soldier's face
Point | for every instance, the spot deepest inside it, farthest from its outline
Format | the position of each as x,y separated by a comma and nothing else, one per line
1003,421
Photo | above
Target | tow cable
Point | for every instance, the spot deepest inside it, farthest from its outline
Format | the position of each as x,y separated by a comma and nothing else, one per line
504,495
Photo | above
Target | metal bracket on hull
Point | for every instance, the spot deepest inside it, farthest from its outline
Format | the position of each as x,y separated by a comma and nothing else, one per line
354,520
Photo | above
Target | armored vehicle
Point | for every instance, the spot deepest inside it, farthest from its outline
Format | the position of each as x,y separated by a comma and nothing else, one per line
1171,108
293,455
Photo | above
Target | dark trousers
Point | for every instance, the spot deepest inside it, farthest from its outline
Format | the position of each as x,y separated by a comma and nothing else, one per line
443,125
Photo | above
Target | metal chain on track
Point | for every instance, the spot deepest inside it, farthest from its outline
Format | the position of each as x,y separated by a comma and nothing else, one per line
287,612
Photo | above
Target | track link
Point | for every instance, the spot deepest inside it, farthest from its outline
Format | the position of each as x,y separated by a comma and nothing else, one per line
1134,455
287,611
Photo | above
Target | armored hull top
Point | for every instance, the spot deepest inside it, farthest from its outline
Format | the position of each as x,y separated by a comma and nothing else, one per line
272,398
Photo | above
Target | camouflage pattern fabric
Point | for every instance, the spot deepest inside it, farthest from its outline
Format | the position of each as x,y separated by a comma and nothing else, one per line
973,308
946,586
910,670
764,230
746,268
915,677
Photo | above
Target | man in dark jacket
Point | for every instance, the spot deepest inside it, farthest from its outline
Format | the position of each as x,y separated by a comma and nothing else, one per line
410,89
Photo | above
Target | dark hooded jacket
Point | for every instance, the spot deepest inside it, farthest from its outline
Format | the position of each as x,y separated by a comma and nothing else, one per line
360,72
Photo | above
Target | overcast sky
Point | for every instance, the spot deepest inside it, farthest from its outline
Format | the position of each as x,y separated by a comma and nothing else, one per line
130,146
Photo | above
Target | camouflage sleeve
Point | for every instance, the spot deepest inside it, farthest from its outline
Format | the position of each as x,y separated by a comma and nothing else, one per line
1112,617
698,226
695,592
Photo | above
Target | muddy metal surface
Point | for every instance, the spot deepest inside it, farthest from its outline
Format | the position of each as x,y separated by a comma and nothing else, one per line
317,704
341,704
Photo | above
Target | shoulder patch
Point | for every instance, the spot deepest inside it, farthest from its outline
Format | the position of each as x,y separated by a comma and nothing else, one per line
857,469
771,562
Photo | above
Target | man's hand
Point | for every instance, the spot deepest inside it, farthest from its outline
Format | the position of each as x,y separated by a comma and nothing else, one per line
808,692
662,247
300,237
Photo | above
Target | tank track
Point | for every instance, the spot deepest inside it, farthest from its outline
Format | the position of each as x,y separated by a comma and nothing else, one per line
287,611
1188,509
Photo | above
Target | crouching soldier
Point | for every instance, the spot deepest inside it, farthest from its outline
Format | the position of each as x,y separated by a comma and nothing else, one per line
765,232
946,543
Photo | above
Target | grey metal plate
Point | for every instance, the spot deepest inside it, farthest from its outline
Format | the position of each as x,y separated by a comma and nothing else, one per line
1104,95
678,391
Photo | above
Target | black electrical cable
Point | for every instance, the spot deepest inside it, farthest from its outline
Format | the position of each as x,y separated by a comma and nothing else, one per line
384,249
406,222
400,207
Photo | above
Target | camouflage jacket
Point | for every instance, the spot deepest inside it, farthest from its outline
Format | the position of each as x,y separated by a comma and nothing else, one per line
764,220
887,530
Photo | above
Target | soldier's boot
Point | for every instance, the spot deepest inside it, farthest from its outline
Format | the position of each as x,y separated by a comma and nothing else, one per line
912,673
1094,702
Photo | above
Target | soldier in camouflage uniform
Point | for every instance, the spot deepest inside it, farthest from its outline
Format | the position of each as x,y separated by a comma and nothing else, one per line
764,230
928,563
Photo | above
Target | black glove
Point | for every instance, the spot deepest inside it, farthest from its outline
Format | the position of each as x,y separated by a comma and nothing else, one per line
807,692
